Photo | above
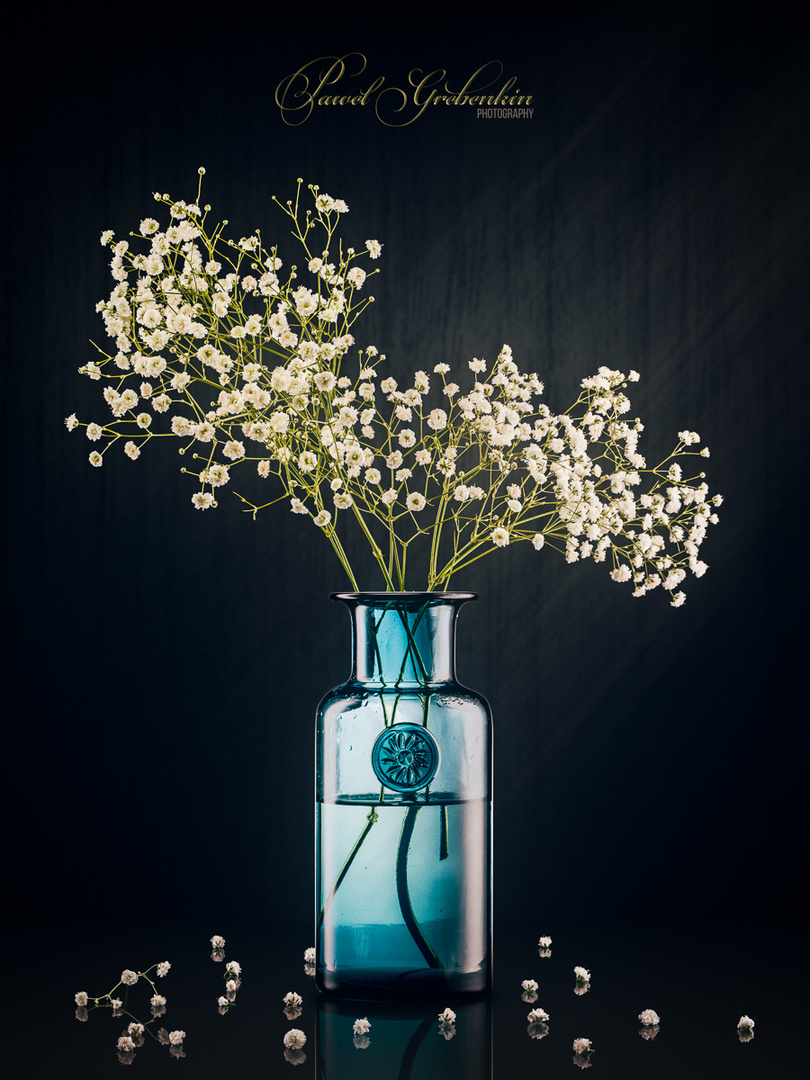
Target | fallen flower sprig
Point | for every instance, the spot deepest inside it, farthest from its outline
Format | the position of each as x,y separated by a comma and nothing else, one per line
133,1037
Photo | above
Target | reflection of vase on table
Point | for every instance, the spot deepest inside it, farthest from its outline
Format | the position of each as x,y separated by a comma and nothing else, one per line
403,1039
403,788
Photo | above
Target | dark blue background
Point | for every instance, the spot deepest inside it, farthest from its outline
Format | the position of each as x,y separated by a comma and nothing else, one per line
163,666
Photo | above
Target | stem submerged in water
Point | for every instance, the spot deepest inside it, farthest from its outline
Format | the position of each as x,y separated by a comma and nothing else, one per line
402,890
372,817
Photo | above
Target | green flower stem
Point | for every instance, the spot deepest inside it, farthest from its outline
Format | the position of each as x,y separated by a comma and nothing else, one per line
444,848
402,890
375,547
370,820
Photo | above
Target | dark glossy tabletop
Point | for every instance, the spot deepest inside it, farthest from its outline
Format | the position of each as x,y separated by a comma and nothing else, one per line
699,978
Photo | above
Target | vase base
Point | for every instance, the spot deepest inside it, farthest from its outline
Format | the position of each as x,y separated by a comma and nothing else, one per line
418,985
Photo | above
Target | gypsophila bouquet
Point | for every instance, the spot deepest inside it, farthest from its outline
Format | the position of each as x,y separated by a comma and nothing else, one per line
219,347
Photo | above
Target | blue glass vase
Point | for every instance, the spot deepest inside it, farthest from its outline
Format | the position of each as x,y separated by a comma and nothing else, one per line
404,855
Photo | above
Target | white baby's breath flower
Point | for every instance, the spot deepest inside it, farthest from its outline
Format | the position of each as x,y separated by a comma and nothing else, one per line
582,1046
81,998
649,1016
529,985
129,978
361,1026
544,942
295,1039
582,974
537,1016
182,316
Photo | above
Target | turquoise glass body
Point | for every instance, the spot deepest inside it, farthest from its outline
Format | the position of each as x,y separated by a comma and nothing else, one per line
404,812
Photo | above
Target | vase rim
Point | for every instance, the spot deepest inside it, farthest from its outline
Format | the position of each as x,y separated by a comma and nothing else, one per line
382,597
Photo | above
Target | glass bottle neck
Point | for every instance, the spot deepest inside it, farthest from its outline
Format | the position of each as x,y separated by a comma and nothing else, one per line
404,639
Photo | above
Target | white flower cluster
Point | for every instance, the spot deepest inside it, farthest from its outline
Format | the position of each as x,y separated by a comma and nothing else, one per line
214,348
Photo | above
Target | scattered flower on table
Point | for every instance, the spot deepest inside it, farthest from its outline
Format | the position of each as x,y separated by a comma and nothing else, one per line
295,1039
583,1049
649,1017
362,1026
544,943
81,998
745,1029
447,1024
582,974
292,1005
125,1043
163,969
129,978
217,943
538,1016
176,1037
309,955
